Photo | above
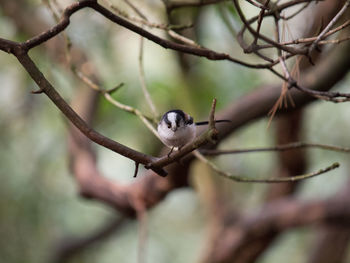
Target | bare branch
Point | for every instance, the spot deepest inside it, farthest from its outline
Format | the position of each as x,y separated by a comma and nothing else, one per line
328,27
144,21
172,5
96,137
107,94
70,246
70,10
143,81
284,147
242,179
209,136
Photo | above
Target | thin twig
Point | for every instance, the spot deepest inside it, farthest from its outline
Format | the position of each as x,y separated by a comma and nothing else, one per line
284,90
241,179
146,120
284,147
56,14
260,19
171,5
135,9
183,39
309,40
296,12
144,21
143,81
141,69
261,6
247,23
334,41
143,223
78,122
328,27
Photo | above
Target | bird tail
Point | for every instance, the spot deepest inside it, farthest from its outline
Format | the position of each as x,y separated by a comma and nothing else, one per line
207,122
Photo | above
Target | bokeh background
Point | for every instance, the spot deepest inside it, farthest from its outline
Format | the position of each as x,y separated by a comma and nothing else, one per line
40,206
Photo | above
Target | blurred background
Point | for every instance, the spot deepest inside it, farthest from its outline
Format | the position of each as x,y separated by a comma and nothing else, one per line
40,206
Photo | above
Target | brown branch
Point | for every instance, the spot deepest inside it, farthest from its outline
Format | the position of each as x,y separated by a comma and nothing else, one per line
328,27
209,136
322,77
260,19
90,181
276,216
59,27
309,40
70,246
261,6
194,50
296,12
253,106
271,180
144,21
70,10
273,11
96,137
332,243
280,148
202,52
148,189
172,5
14,47
279,8
294,51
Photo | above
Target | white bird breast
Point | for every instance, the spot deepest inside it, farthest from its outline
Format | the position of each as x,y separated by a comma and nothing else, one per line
179,138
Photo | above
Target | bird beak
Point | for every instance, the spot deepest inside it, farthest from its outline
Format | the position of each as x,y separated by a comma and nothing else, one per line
174,129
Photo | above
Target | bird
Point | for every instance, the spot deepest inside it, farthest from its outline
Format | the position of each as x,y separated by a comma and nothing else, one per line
177,128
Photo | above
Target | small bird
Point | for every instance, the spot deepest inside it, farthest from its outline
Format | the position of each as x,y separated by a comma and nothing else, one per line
176,128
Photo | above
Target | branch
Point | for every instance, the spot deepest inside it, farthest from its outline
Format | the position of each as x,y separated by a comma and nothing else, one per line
284,147
107,94
328,27
148,189
70,10
96,137
309,40
241,179
277,45
172,5
277,216
143,81
209,136
70,246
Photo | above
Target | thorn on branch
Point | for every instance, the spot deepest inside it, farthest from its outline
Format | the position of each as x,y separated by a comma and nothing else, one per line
111,91
212,115
136,169
310,60
172,149
39,91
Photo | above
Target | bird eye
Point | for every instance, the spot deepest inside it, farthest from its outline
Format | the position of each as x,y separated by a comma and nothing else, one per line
169,126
